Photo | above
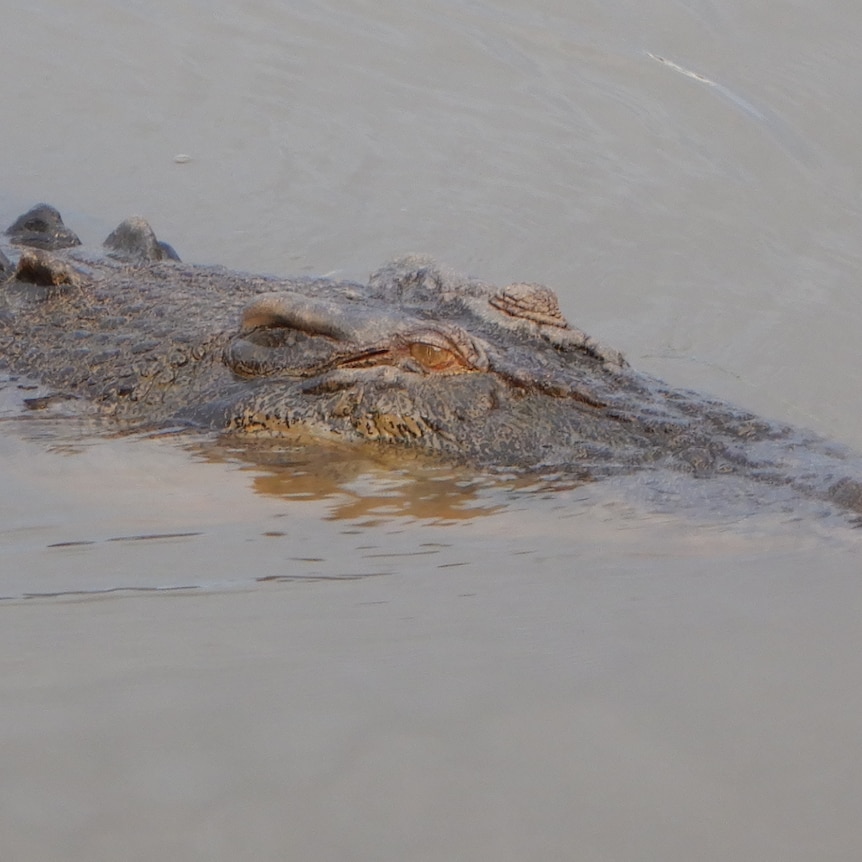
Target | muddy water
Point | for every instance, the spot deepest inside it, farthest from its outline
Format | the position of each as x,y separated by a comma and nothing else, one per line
370,657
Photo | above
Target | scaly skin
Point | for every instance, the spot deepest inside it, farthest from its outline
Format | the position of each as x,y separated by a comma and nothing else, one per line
418,357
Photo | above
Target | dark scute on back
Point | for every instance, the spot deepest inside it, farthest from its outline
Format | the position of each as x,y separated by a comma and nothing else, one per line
42,227
135,241
6,267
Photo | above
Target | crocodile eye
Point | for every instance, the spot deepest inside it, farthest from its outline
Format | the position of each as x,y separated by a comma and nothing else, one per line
436,358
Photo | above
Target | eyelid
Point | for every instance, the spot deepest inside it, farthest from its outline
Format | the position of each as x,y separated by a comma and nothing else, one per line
431,337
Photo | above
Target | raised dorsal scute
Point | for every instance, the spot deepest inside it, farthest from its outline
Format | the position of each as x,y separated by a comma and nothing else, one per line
530,302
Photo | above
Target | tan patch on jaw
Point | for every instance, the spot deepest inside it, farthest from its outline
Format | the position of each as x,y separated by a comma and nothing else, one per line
390,426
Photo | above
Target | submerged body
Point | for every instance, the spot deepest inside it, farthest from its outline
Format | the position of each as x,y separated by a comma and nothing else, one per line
418,357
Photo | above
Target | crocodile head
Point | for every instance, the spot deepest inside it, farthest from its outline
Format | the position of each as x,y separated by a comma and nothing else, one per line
418,357
427,359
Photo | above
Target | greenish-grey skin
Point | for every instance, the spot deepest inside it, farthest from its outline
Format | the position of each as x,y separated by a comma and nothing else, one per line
418,357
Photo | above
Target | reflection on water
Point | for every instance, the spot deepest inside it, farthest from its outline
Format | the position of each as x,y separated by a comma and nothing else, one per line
356,480
372,485
105,516
366,483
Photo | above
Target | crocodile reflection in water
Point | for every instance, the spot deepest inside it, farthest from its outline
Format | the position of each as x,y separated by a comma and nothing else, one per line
419,357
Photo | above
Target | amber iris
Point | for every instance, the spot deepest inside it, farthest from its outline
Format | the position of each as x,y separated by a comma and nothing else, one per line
435,358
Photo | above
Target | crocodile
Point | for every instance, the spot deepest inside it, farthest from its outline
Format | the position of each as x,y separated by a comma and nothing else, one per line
419,356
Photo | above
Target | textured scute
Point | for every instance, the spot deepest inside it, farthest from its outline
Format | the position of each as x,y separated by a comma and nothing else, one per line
6,267
135,240
42,227
419,357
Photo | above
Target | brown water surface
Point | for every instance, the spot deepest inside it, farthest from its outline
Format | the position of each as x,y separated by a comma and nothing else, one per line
314,654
